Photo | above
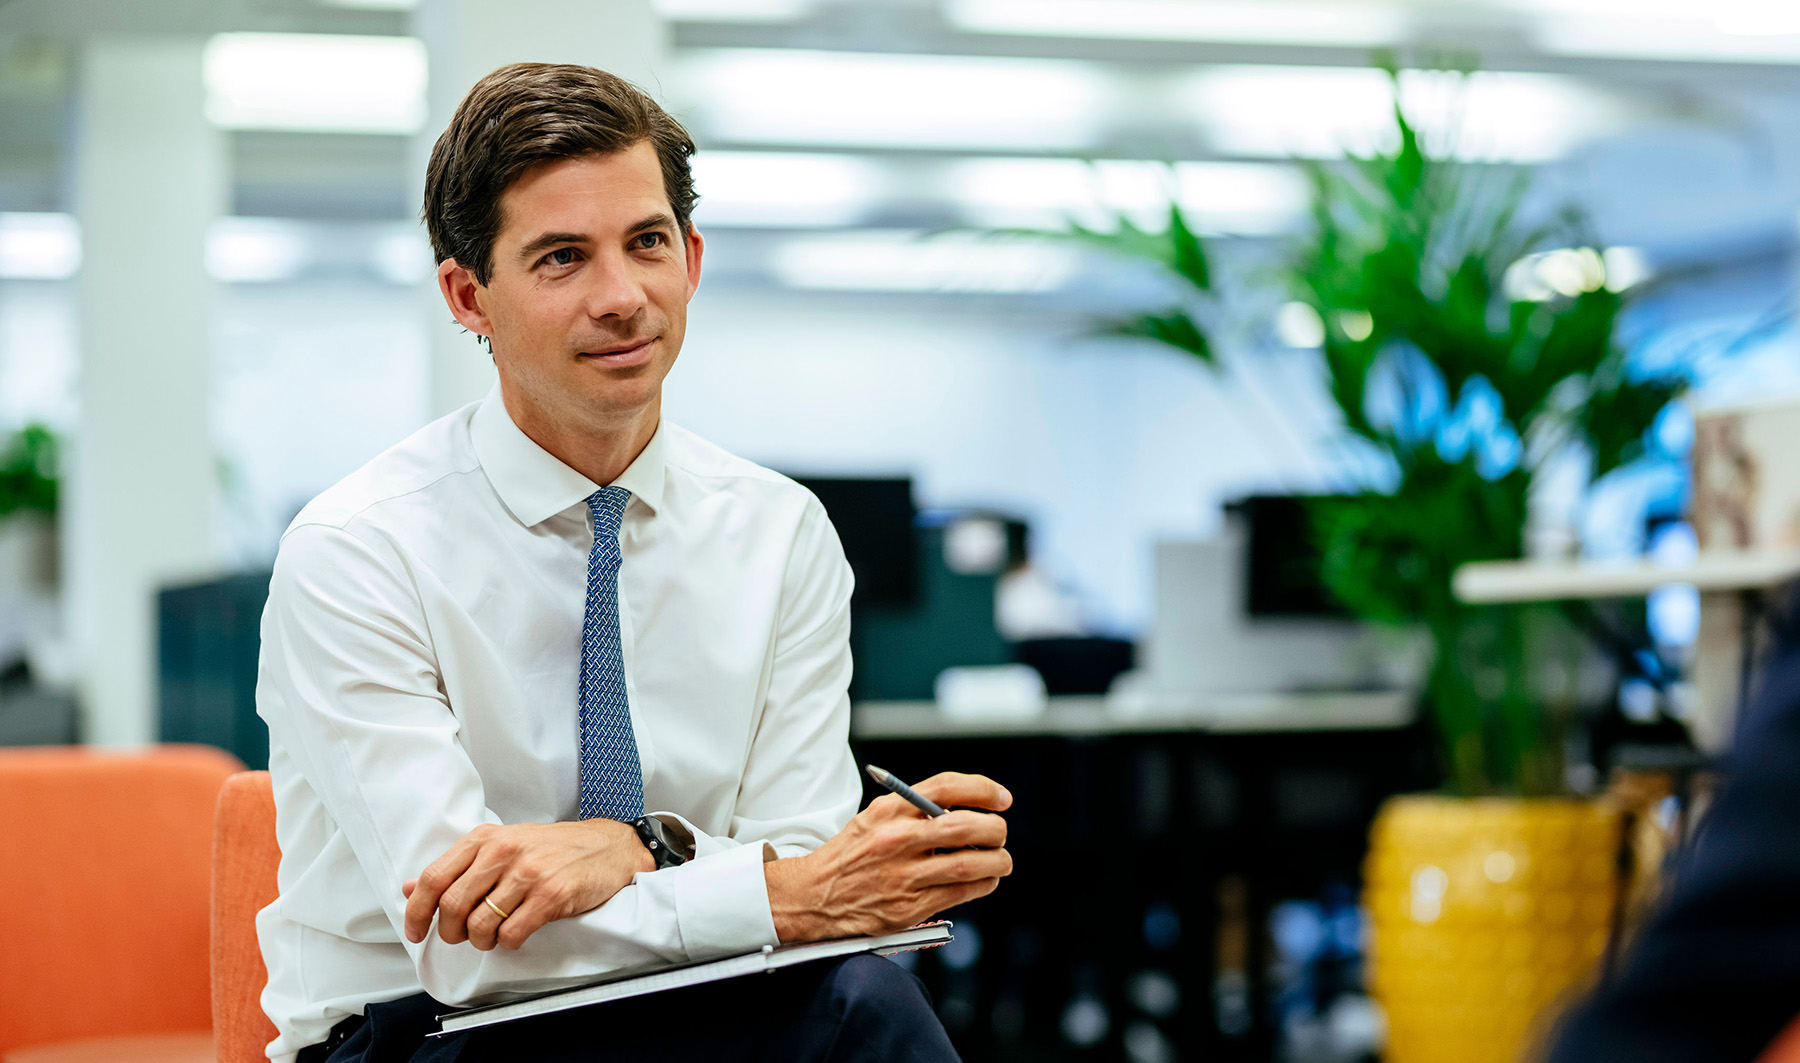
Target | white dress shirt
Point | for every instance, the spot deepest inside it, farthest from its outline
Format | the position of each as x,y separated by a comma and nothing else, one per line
420,653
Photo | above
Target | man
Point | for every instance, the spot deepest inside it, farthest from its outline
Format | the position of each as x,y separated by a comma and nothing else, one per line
1715,975
488,653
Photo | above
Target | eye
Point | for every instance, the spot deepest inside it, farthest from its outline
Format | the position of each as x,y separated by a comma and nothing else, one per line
649,240
562,256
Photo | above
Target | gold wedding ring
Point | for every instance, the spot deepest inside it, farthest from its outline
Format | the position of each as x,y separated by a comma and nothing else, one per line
503,913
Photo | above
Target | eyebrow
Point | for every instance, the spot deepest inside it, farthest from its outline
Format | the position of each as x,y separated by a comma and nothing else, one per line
658,220
546,241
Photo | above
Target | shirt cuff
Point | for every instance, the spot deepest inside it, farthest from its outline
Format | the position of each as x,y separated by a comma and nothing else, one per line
722,901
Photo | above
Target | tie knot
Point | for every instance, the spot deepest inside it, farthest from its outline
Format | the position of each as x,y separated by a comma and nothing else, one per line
608,507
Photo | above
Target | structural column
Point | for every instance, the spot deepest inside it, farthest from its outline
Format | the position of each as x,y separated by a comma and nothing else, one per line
150,178
465,40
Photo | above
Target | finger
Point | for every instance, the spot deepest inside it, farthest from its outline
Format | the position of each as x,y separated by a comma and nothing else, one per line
484,922
962,866
956,829
530,916
940,899
481,926
408,886
969,791
462,898
422,903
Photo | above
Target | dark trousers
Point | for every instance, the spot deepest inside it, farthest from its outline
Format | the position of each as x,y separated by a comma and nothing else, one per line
858,1010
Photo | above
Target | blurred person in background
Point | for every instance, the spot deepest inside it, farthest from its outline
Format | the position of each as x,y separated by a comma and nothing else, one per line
1715,975
488,652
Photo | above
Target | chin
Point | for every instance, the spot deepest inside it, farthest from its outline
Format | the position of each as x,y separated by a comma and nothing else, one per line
620,401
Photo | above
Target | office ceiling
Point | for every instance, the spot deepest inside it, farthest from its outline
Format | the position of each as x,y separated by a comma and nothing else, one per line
1692,158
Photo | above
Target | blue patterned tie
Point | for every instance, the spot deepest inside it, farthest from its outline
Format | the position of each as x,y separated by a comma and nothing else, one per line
612,781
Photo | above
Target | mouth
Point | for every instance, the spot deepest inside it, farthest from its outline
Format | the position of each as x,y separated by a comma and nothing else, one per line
620,355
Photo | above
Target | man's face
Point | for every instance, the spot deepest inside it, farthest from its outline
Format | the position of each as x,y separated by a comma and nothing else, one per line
586,304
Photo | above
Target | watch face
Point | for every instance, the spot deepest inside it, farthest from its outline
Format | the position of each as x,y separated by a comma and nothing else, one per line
655,835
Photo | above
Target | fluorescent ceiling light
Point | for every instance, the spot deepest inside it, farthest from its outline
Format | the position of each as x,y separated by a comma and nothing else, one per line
1752,17
1273,22
1690,41
733,10
256,250
316,82
1218,197
794,96
1770,23
770,188
373,5
39,246
1728,31
904,261
1323,112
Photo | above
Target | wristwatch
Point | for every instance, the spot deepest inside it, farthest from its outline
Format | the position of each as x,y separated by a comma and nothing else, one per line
670,844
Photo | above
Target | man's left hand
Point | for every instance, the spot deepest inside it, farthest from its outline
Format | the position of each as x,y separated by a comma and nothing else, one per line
535,872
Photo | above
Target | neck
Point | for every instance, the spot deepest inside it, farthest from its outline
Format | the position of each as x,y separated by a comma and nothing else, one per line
600,449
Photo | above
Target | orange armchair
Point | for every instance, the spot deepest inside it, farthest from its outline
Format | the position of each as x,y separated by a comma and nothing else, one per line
1785,1048
103,881
245,859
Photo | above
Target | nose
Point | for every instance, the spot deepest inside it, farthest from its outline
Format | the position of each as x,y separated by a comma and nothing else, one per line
614,288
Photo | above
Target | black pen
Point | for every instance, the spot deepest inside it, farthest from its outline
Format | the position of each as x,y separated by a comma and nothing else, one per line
922,803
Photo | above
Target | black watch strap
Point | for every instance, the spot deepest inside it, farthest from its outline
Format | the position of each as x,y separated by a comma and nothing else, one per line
665,841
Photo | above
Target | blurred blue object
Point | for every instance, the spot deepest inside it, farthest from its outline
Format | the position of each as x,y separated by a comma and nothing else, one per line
1673,544
1298,930
1162,927
1620,504
1673,433
964,950
1638,700
1406,393
1673,614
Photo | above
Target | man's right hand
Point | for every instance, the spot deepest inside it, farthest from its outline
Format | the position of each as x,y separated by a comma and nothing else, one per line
885,871
535,872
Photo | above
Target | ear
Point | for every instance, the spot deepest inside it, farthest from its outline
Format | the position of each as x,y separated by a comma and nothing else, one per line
695,245
460,289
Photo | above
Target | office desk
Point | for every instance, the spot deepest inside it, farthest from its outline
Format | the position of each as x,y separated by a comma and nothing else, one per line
1086,717
1171,835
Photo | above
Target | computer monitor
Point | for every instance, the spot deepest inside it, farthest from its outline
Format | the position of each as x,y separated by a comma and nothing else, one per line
1283,561
874,520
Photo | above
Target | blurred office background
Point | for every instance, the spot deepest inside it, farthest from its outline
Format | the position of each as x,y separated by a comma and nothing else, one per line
1077,551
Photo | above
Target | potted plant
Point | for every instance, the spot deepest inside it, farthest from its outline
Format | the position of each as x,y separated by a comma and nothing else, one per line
1490,900
28,498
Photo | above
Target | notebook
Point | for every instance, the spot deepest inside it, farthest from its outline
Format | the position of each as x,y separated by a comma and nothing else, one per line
640,982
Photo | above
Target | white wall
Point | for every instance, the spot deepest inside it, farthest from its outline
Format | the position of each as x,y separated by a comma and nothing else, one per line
313,380
1103,444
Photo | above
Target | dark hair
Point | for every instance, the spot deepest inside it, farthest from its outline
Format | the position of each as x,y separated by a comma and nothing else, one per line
526,114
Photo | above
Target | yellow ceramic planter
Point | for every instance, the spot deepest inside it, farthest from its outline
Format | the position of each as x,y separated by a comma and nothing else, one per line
1486,913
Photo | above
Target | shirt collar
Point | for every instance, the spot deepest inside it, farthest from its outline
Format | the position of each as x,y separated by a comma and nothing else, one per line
533,484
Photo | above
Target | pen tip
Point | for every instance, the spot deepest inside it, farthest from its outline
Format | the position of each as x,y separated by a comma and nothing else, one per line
876,773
